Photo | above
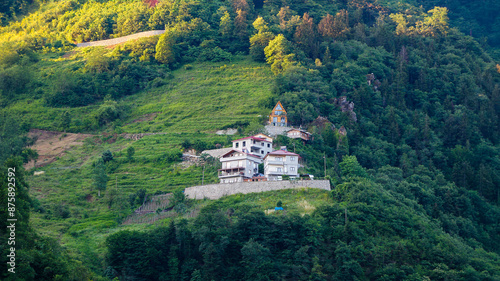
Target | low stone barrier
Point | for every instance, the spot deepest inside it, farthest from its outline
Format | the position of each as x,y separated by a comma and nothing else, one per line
216,191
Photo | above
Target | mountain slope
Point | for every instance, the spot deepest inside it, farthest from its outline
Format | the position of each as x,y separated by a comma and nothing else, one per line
417,173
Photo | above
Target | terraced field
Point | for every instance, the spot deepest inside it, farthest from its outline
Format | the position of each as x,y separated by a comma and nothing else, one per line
194,104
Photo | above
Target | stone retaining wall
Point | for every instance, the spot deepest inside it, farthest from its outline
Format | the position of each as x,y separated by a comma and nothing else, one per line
216,191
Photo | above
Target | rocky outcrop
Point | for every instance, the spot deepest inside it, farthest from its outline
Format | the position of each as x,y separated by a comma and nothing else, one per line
347,107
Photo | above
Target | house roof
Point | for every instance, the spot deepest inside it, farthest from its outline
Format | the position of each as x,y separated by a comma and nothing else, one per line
279,106
282,152
217,152
234,150
265,136
300,130
253,138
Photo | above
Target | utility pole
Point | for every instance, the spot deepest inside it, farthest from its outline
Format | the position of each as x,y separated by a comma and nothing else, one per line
324,157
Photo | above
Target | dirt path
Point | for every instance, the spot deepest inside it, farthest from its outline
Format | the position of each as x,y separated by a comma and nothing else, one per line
119,40
51,145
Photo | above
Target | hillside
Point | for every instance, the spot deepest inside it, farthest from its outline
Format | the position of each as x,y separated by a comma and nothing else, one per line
416,176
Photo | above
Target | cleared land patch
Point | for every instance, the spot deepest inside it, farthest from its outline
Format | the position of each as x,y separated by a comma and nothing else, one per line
50,145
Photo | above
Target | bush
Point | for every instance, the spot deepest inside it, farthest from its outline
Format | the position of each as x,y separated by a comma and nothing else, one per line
62,211
130,153
107,156
107,112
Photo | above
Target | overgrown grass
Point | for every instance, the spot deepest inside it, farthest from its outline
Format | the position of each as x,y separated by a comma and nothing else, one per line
192,105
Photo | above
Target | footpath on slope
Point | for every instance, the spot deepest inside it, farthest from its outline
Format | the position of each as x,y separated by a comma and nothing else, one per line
123,39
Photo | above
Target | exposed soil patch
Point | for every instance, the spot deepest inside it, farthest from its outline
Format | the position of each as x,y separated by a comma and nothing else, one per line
145,117
89,198
50,145
68,54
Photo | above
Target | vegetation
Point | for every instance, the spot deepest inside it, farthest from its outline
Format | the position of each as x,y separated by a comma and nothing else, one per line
408,138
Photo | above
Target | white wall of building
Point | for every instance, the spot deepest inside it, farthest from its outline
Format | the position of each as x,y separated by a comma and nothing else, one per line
279,165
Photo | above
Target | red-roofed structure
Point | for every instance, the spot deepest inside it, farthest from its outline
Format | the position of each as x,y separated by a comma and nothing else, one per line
238,165
254,145
281,163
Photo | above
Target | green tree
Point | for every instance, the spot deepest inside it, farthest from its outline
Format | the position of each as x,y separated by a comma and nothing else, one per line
65,120
260,25
226,25
402,23
29,154
107,156
257,261
438,22
165,52
259,41
100,176
130,153
350,167
278,54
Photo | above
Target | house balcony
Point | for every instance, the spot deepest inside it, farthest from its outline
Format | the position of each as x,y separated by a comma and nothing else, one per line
256,146
230,175
231,172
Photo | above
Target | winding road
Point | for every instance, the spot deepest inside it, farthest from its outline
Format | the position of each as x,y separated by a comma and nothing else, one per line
119,40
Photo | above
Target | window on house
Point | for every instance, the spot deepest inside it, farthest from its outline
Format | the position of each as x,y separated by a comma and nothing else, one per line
279,170
292,168
262,152
244,143
262,143
277,158
237,144
268,145
275,119
292,158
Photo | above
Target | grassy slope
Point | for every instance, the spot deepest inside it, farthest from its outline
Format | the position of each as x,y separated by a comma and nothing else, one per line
193,105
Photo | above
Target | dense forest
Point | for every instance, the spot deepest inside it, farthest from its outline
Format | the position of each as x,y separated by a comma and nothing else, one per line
416,85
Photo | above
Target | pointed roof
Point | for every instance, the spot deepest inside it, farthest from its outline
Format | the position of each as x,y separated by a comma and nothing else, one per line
279,106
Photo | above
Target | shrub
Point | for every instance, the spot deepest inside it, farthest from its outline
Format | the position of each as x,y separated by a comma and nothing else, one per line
107,156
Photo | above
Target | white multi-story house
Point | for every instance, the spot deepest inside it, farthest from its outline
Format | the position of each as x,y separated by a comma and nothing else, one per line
238,165
254,145
279,163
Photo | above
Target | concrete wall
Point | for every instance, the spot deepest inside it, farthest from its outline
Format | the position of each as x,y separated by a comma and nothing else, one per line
216,191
